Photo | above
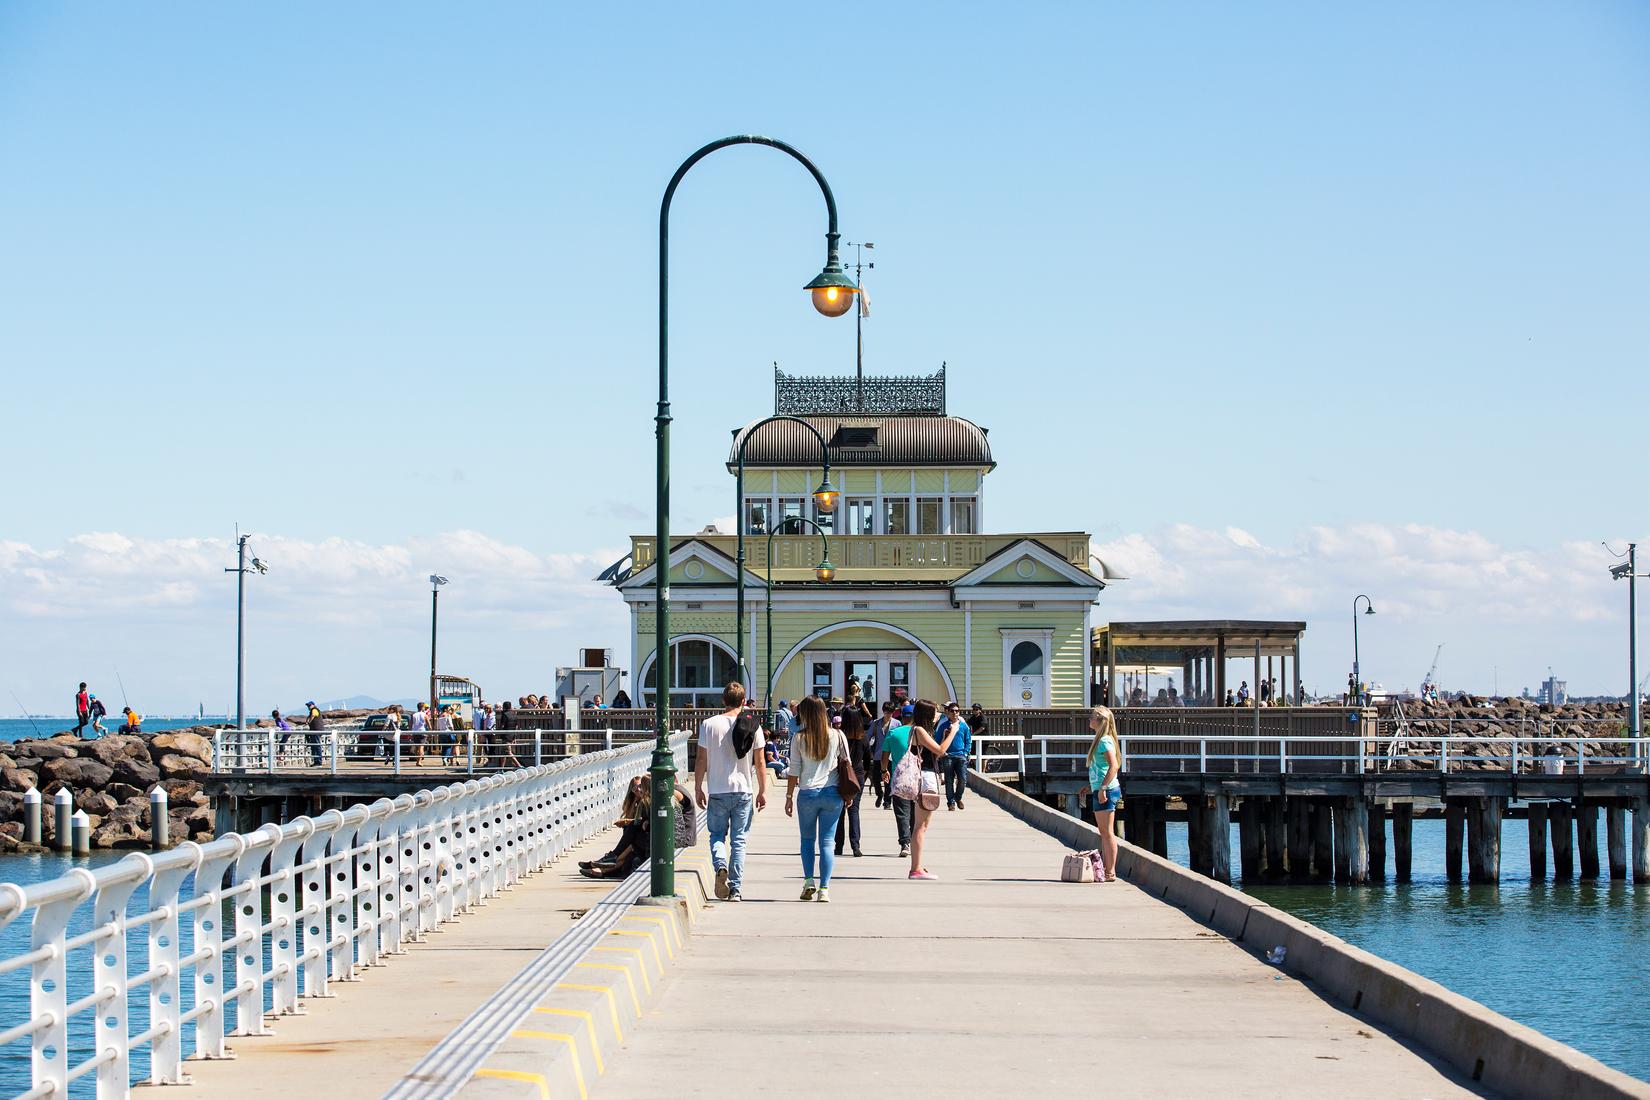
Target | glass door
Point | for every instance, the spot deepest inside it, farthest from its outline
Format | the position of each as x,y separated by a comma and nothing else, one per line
863,673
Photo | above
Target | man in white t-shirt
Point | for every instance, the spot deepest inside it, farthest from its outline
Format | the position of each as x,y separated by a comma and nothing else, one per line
732,779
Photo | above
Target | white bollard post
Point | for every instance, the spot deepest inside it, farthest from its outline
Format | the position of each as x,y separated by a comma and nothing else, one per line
31,816
395,747
159,822
80,828
63,820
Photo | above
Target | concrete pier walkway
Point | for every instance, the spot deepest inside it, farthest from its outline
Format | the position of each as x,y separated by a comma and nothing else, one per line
996,980
360,1042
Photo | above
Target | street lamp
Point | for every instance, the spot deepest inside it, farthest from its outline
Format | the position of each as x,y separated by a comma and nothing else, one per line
242,568
832,292
436,582
825,498
824,573
1357,672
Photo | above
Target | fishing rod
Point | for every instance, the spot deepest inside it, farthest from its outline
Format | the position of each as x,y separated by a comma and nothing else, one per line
125,702
24,711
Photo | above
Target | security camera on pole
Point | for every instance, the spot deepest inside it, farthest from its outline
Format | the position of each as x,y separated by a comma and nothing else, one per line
242,568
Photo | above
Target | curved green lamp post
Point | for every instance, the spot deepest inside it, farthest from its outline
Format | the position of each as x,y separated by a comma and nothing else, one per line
825,498
823,572
833,293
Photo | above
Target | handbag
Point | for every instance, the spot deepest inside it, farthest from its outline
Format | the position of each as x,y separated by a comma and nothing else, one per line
1078,867
908,778
930,790
847,782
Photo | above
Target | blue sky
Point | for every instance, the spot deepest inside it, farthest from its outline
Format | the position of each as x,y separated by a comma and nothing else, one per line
1283,302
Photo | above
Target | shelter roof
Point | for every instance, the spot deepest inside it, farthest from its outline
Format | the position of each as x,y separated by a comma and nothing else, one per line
860,440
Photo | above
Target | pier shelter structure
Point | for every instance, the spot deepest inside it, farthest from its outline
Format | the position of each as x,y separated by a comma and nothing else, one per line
926,601
1195,652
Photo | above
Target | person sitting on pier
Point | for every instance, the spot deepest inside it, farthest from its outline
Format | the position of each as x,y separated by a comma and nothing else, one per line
133,723
1103,794
632,848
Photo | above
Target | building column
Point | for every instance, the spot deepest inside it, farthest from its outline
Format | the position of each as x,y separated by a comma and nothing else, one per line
1297,655
1220,669
968,650
1111,671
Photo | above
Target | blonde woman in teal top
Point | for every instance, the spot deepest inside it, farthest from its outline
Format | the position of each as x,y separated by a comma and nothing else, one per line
1104,793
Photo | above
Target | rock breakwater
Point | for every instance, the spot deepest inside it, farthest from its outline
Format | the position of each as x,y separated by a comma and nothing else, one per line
110,779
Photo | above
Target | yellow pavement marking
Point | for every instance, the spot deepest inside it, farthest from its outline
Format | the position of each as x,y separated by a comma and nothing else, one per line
589,1024
641,964
655,917
518,1075
612,1002
628,980
658,959
572,1046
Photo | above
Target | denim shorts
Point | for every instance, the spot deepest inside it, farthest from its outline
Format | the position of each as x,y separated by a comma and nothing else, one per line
1111,803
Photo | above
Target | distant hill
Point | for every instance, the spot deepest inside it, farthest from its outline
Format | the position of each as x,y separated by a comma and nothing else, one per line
361,702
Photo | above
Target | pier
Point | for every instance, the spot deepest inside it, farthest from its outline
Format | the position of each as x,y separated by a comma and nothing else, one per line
439,943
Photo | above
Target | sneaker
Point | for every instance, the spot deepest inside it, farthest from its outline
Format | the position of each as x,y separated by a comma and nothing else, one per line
808,892
722,883
904,850
923,874
824,894
735,895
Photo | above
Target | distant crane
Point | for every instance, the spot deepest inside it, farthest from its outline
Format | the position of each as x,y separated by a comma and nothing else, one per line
1427,680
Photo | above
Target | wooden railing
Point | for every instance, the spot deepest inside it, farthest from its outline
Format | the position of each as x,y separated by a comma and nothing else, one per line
915,552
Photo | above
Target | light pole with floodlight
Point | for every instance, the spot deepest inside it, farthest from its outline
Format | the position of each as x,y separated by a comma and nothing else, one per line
242,568
1357,671
436,581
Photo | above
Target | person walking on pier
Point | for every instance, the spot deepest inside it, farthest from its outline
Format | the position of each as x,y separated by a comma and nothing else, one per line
895,744
97,711
816,753
956,757
732,776
856,719
929,753
316,726
1104,793
418,731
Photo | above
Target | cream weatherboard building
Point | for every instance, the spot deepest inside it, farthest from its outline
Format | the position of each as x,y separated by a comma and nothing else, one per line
925,603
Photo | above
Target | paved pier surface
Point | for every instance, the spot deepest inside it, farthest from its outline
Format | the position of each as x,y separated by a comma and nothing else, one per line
994,981
360,1043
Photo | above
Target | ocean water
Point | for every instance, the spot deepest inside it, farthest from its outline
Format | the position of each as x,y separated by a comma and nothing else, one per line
18,729
1567,958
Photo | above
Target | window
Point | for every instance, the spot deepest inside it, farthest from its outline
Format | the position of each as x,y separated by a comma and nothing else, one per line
962,516
898,521
699,669
826,520
821,685
788,507
756,517
929,513
1026,660
860,517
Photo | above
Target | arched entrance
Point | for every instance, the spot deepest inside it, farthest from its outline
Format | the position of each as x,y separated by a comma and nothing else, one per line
700,667
888,662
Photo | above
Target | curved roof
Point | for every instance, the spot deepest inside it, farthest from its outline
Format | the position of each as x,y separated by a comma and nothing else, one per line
865,441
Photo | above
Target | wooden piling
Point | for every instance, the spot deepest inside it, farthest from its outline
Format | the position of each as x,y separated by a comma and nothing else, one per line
1277,838
1641,840
1249,842
1615,839
1558,822
1160,826
1197,841
1538,841
1220,833
1587,839
1299,815
1323,843
1376,810
1357,841
1484,839
1403,820
1342,811
1455,816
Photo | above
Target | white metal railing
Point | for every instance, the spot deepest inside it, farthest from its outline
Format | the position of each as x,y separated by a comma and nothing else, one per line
353,750
1351,755
1551,755
222,934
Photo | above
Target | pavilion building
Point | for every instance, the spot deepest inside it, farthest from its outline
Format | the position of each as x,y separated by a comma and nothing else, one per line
926,602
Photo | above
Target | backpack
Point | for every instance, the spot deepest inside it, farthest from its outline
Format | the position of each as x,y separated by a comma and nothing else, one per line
744,732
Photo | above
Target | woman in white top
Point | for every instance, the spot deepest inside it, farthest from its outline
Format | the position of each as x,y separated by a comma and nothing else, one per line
814,753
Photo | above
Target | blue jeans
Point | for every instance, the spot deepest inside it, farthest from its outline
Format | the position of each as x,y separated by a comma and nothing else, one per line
729,819
955,770
817,812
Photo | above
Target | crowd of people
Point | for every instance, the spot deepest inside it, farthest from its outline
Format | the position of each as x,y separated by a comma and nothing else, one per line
831,754
89,713
1240,696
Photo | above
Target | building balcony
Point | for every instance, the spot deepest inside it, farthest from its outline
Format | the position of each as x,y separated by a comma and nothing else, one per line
883,558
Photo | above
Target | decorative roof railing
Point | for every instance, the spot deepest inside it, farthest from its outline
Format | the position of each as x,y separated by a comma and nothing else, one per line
873,395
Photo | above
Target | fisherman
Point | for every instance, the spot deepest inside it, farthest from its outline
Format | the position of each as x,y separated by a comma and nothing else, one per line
133,723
